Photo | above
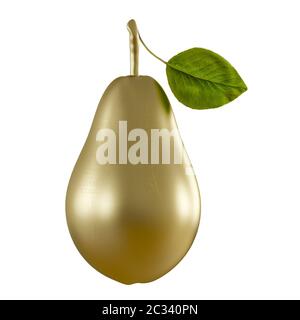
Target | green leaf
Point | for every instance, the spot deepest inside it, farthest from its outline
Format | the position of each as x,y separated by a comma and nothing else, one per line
201,79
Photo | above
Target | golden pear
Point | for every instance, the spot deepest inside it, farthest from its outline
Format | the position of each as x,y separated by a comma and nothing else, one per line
133,208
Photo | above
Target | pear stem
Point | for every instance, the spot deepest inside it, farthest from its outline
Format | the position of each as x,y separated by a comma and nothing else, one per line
134,38
134,47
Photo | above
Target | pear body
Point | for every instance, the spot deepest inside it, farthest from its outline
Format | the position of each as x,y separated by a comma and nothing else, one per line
132,222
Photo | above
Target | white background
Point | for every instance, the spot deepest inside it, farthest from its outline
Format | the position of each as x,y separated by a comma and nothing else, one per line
56,59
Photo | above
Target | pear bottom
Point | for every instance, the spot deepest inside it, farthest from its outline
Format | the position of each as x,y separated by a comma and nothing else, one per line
134,241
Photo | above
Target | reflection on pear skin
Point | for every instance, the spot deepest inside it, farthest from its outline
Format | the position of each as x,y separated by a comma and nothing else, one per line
133,223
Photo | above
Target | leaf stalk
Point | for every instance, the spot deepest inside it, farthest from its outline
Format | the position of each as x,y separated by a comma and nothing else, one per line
134,38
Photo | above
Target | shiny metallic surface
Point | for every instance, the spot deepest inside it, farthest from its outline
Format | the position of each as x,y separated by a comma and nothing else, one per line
133,223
